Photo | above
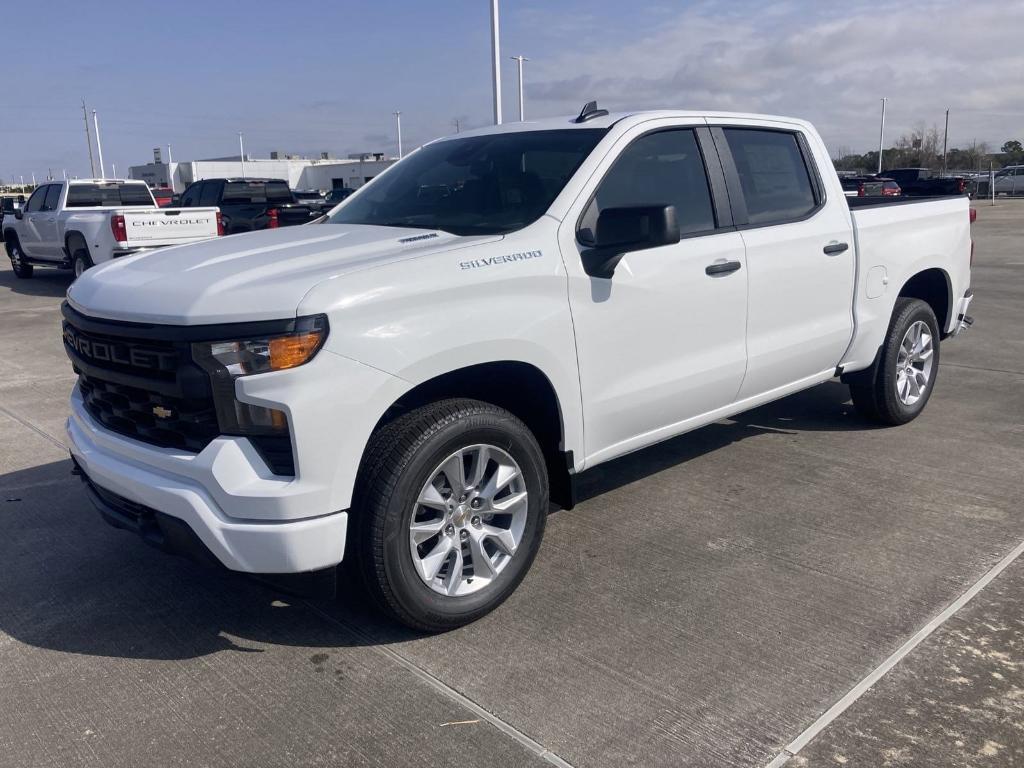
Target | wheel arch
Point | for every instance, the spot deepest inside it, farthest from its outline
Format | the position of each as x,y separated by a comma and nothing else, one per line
933,287
518,387
74,236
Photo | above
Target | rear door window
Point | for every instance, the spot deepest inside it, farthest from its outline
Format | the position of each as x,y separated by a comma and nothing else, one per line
773,175
210,193
52,197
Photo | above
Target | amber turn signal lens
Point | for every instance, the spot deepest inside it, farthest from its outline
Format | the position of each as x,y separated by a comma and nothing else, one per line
290,351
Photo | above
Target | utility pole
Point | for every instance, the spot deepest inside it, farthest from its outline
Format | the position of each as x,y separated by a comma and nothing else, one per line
398,119
495,62
241,152
458,124
113,170
99,146
881,133
520,59
88,140
169,160
945,138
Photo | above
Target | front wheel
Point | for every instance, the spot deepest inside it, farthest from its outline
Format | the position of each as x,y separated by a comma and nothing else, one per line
17,256
897,389
449,512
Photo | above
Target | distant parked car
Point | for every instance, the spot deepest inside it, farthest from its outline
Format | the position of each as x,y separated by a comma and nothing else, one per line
8,205
247,205
923,182
164,196
869,186
335,196
1008,181
313,198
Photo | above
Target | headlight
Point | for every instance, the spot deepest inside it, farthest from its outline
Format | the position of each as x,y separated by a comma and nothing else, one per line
225,361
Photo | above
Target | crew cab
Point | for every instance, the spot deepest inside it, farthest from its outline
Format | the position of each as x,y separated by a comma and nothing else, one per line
247,205
408,384
77,224
922,182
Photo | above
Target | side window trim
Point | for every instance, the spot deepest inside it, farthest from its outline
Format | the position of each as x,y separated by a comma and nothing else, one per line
712,168
732,177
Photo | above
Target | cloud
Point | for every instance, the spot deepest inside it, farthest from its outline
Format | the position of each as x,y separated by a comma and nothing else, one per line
830,63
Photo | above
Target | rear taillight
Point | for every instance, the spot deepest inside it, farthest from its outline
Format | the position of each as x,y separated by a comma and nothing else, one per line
272,215
973,217
860,190
220,224
118,228
961,185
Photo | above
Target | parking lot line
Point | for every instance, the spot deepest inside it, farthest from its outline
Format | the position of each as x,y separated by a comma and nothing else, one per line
446,690
862,687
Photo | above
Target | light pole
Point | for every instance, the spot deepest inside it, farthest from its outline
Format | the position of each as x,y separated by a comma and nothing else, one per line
945,138
169,160
398,120
495,62
881,133
520,59
88,140
99,146
241,152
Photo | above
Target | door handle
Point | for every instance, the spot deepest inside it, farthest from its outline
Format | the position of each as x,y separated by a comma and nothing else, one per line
722,268
833,248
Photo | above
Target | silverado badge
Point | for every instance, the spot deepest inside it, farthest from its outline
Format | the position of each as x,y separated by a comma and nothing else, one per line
160,412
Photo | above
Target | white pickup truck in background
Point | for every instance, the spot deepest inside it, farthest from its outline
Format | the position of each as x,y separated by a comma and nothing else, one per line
77,224
405,384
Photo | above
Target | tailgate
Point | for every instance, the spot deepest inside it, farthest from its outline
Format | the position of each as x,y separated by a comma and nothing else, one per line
169,226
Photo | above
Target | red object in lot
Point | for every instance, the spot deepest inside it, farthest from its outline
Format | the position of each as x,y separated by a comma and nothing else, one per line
891,190
273,223
220,224
118,228
164,196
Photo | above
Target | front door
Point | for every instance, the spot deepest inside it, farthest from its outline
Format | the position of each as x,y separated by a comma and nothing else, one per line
661,342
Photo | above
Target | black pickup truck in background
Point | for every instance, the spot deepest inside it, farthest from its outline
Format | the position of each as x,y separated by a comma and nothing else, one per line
247,205
922,182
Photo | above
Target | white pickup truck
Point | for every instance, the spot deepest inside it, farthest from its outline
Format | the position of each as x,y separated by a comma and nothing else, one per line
77,224
406,384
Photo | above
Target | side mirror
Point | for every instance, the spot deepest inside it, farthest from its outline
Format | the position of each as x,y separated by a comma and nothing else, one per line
621,230
19,214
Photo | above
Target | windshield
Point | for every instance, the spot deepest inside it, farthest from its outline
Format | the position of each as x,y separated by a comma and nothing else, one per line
477,185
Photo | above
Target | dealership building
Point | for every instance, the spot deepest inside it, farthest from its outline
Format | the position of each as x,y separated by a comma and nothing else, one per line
324,173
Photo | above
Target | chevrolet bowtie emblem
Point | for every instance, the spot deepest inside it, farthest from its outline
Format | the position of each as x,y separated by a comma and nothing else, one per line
160,412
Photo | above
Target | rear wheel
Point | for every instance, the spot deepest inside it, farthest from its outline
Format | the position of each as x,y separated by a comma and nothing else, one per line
897,389
80,261
17,256
449,512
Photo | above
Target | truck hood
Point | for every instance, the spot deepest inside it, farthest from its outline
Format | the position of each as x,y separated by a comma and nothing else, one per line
255,276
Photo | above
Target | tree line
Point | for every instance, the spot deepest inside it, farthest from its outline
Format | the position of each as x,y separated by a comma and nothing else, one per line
922,148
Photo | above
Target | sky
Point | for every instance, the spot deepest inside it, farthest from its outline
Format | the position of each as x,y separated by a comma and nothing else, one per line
305,77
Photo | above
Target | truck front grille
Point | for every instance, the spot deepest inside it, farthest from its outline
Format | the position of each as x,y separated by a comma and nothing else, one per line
151,417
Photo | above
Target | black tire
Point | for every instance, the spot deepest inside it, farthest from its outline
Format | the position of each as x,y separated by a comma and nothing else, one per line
398,463
21,269
875,393
80,258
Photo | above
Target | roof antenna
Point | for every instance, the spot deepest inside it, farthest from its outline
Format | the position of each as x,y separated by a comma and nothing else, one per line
589,112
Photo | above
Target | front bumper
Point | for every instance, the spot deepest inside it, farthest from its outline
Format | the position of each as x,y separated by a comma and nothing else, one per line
211,492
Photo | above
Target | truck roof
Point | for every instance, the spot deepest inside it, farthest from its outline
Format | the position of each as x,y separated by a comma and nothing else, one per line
606,121
99,181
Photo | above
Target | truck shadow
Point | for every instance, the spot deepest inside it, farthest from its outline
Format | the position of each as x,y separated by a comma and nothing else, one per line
69,583
45,282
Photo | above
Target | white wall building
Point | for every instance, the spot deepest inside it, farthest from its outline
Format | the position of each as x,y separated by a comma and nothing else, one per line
300,173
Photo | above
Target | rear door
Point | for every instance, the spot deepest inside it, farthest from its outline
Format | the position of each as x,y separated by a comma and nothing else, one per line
661,342
800,255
